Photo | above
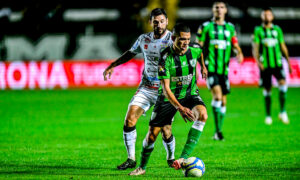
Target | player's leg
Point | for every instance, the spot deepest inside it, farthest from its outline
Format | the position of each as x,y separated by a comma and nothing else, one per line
148,146
222,115
216,107
169,143
282,99
266,83
130,135
195,132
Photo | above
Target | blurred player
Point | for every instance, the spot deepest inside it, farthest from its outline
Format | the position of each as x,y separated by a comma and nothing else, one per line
218,37
268,44
150,44
178,91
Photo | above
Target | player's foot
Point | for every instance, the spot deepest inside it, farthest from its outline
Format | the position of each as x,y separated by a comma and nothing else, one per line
218,136
138,171
129,163
284,118
170,162
268,120
177,163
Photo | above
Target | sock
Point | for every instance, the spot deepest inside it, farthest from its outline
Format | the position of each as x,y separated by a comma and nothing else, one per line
146,152
222,116
267,96
282,97
169,145
216,105
193,138
129,137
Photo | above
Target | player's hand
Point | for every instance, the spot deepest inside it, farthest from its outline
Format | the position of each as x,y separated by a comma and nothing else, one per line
261,66
290,69
204,72
108,71
186,114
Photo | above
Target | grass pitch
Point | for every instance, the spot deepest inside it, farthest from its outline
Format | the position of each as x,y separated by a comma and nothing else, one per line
77,134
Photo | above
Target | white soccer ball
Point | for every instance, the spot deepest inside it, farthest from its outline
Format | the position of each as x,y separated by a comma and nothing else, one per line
193,167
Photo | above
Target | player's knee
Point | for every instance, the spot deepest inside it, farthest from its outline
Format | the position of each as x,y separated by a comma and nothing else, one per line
151,138
166,133
203,117
130,120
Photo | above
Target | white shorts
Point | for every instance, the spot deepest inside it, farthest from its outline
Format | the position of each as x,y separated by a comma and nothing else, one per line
144,98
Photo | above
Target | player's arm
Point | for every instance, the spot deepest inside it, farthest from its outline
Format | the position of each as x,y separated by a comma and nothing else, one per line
284,49
237,49
255,48
203,68
128,55
185,112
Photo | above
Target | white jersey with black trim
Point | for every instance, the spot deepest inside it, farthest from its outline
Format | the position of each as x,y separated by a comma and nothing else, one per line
151,49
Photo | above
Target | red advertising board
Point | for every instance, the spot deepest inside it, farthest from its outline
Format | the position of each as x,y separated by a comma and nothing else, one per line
88,74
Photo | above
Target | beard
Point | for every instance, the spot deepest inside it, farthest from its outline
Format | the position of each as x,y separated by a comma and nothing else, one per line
266,22
158,33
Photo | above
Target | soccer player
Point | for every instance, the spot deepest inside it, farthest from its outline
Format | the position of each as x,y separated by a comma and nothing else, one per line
268,44
150,45
178,92
218,37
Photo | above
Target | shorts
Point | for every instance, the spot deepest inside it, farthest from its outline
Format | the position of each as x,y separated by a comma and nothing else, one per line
217,79
163,112
144,98
266,76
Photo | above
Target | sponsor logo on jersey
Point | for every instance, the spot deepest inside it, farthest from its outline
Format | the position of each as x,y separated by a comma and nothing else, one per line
270,42
182,80
161,69
219,44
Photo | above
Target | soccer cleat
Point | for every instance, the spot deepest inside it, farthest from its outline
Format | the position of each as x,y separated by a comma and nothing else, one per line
268,120
170,162
177,163
138,171
218,136
284,118
129,163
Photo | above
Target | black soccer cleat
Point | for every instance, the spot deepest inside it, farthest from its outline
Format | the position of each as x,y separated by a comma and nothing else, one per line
129,163
218,136
170,163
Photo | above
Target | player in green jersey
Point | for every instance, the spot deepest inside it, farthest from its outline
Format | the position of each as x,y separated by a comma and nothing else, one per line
268,44
218,37
178,92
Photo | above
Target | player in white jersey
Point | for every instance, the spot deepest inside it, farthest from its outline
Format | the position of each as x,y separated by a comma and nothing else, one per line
150,45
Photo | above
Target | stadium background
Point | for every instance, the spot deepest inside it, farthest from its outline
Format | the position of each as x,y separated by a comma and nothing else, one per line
72,128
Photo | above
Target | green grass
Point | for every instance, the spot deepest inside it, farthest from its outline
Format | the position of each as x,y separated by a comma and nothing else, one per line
77,134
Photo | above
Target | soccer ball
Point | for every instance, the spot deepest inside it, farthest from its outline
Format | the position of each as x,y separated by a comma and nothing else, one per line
193,167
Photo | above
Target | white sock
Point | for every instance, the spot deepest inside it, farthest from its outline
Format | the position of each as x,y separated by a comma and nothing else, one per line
129,141
170,148
223,109
199,125
216,104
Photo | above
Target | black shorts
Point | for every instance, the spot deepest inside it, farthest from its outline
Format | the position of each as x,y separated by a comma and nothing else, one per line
217,79
266,76
163,112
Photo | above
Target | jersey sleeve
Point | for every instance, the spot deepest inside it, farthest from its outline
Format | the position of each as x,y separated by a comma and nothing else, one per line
201,33
136,48
256,38
280,35
163,66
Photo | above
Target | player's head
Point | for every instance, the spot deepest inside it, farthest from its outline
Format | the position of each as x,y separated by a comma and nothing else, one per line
158,21
267,15
181,36
219,9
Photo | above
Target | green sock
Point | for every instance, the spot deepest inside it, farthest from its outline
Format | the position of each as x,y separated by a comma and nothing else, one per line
222,116
268,105
217,117
282,98
193,138
145,157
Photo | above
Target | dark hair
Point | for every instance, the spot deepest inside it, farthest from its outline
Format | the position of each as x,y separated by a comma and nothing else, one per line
220,1
157,12
267,9
180,27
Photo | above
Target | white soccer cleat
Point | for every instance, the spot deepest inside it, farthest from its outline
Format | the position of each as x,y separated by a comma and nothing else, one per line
137,172
268,120
284,118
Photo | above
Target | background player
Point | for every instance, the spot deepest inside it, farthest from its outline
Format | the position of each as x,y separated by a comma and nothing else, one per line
217,37
150,44
178,91
268,43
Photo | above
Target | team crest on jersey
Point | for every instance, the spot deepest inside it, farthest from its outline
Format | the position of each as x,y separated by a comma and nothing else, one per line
227,33
274,33
193,62
146,46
